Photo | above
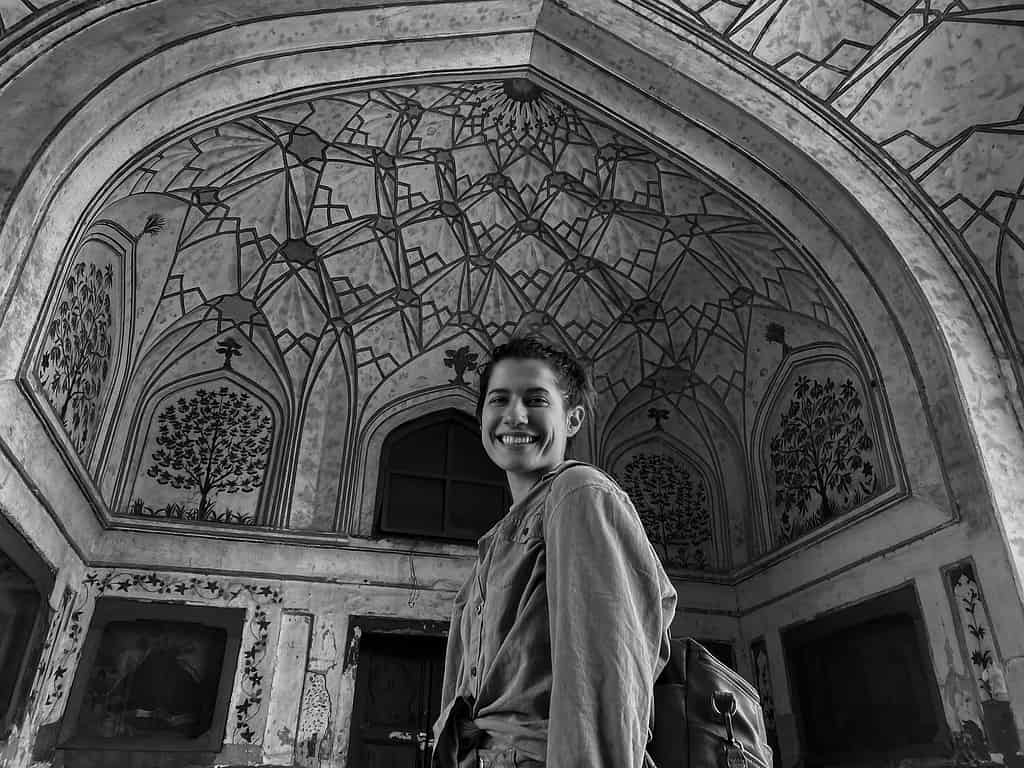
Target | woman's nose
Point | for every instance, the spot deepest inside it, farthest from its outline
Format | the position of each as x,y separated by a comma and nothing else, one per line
515,413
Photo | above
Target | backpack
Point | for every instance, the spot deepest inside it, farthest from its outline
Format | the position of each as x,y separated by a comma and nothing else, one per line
705,714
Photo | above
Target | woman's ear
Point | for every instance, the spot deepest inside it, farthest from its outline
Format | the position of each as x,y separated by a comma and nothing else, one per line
574,420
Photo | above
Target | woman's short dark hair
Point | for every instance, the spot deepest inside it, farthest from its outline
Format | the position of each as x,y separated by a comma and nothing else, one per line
573,376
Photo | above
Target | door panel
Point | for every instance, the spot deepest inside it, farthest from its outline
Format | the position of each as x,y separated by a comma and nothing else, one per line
397,699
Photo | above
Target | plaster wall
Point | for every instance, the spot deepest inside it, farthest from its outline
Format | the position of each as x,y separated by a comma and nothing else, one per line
335,586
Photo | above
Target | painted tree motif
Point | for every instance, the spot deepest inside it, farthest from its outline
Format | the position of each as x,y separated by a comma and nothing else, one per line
673,506
819,456
77,360
216,441
461,360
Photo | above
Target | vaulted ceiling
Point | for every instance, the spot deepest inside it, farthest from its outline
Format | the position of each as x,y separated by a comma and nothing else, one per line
311,248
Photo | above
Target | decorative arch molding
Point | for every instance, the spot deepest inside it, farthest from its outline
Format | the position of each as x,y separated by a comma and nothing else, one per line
325,423
884,247
677,406
262,508
860,470
357,519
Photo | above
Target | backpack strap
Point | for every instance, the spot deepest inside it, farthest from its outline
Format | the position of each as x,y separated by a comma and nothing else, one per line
569,464
565,465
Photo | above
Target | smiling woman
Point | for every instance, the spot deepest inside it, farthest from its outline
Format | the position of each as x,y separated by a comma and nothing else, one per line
566,584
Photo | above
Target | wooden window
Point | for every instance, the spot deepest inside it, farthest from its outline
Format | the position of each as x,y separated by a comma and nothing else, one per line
437,481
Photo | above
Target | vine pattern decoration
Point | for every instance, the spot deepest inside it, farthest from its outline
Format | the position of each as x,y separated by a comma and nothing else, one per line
125,583
67,657
980,643
993,731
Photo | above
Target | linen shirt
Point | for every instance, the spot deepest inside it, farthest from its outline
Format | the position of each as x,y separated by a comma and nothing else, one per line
561,628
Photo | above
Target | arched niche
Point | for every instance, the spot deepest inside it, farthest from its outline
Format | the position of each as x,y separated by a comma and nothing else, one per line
81,357
206,451
680,503
676,416
225,338
365,466
815,179
822,448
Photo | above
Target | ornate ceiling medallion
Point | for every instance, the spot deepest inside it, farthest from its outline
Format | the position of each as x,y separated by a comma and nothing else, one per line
521,106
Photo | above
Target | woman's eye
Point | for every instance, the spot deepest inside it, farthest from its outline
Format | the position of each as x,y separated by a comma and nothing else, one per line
539,401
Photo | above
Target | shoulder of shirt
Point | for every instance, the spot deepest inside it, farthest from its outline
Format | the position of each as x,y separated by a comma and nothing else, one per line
582,476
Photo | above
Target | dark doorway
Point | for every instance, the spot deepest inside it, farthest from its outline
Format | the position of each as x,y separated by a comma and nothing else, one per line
863,684
397,699
25,584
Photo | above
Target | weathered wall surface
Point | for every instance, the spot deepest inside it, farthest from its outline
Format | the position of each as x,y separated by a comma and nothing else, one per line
281,711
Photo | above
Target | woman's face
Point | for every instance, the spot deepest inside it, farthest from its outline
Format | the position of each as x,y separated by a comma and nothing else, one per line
524,423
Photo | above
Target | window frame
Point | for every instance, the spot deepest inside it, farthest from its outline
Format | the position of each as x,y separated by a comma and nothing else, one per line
451,418
109,610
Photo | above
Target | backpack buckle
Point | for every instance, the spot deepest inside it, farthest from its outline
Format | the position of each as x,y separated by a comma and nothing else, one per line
724,705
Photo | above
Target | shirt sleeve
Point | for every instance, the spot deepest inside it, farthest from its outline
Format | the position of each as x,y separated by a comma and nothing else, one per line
609,602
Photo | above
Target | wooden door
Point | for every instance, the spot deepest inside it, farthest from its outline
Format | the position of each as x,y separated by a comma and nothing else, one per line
397,699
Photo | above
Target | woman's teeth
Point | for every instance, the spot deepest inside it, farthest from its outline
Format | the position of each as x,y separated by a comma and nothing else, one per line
517,439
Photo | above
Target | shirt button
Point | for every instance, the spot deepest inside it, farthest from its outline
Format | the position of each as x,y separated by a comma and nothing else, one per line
472,671
479,607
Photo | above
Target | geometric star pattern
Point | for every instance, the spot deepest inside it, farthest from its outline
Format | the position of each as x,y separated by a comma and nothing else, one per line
14,11
318,258
897,70
412,215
